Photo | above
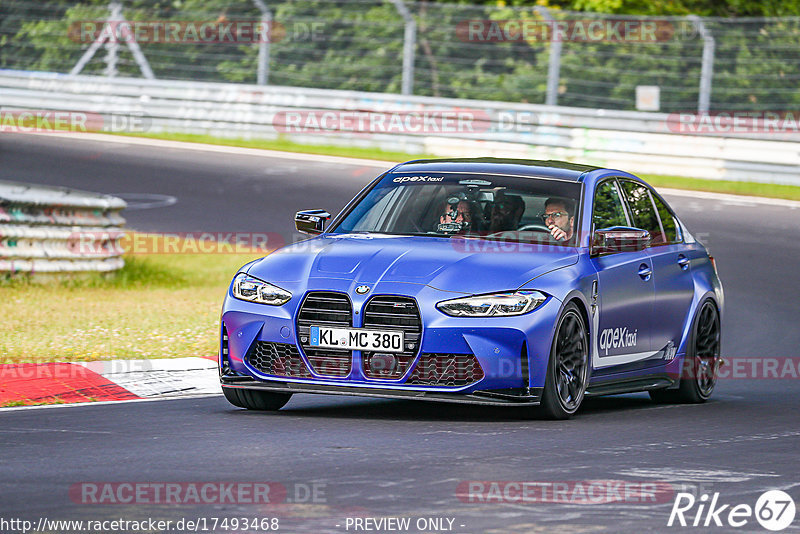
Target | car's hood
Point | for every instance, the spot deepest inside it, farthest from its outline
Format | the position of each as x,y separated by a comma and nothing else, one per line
460,265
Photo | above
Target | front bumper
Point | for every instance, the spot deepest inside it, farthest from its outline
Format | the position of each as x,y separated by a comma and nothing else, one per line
512,353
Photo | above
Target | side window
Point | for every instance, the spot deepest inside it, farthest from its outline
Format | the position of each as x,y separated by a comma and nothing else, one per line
608,209
667,221
642,212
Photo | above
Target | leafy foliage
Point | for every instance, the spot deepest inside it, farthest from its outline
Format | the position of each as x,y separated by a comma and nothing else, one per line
358,45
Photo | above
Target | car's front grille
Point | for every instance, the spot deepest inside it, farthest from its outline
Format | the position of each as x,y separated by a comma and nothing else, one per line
279,359
450,370
325,308
392,313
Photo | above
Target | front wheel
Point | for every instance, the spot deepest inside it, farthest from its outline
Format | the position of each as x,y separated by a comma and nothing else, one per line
699,371
256,400
568,368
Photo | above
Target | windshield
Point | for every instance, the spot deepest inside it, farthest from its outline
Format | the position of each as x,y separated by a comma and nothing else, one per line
469,205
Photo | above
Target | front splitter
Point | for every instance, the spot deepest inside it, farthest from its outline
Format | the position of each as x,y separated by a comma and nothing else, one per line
489,398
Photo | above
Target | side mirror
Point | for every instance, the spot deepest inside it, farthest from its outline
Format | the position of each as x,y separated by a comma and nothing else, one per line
619,239
311,222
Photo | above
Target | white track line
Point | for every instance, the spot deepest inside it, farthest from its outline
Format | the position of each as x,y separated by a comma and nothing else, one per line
386,165
104,403
183,145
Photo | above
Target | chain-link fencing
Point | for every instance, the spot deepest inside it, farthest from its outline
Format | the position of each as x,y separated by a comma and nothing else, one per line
513,54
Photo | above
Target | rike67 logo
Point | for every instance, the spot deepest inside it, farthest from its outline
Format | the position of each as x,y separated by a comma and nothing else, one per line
774,510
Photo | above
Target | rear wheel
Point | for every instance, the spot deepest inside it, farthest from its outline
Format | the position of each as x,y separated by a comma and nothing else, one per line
699,375
256,400
568,369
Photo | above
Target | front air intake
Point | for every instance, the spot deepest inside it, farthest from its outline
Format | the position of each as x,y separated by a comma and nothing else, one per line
392,313
325,308
278,359
448,370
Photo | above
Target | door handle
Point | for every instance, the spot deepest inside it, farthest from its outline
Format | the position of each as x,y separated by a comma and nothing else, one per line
645,271
683,261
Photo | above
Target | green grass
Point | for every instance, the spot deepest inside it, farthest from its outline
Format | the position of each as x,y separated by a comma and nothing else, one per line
168,305
157,306
676,182
756,189
287,146
40,402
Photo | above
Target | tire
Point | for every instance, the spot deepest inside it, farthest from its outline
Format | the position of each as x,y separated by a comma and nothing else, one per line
256,400
699,371
568,367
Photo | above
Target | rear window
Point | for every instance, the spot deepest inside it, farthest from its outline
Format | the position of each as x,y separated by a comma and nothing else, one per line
641,208
668,221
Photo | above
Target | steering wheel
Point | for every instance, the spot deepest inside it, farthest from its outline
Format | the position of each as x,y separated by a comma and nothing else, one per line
527,228
534,228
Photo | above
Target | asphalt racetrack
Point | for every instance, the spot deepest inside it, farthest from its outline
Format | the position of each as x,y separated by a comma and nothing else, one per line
379,458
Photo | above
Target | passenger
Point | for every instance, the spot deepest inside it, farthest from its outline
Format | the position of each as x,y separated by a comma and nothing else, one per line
506,213
457,212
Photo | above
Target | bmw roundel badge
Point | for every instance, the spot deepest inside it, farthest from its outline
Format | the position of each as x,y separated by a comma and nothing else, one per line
362,289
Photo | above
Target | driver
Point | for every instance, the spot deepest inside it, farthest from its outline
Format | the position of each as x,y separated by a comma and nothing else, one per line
559,217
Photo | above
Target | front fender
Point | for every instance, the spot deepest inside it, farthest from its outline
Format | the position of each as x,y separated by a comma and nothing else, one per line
572,283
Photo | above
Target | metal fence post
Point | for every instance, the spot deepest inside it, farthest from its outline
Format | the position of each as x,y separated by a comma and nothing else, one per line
262,75
554,61
409,47
116,19
112,46
707,67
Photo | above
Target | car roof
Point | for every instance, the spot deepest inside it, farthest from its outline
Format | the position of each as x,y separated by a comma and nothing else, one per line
562,170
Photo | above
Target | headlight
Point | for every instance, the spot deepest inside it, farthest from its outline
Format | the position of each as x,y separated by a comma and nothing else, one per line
496,305
254,290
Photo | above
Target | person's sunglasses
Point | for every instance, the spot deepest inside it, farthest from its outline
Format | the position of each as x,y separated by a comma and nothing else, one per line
554,215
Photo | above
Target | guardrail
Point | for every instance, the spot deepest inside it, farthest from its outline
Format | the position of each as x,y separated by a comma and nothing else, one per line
637,141
50,229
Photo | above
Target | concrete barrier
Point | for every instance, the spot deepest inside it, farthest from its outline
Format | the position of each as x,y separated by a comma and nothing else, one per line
51,229
636,141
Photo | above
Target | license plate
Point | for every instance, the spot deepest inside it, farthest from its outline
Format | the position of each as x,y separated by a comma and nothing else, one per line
357,339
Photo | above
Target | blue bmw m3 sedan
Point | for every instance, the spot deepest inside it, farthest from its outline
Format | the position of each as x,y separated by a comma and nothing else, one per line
486,281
